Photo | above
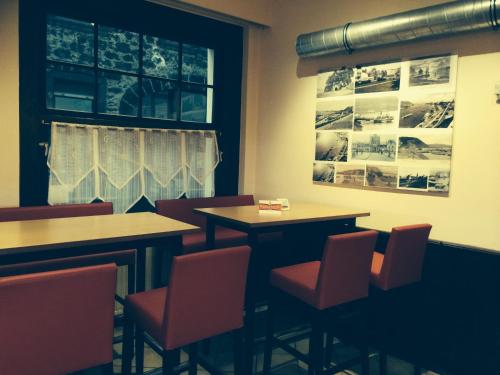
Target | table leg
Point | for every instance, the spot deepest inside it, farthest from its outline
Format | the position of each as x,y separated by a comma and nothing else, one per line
250,300
210,234
171,247
141,270
209,245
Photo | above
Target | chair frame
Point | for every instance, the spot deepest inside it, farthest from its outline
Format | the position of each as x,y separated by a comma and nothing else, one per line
384,296
319,357
105,368
171,358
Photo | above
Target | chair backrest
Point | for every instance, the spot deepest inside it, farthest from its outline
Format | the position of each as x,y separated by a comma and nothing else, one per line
182,209
58,211
205,295
344,274
404,256
57,322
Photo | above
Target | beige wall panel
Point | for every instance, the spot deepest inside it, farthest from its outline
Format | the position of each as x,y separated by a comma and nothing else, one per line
9,103
255,11
286,140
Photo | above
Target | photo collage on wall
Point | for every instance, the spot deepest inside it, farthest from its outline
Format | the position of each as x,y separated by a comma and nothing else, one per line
387,126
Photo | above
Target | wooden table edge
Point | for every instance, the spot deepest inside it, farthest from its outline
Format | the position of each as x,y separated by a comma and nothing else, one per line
98,241
278,223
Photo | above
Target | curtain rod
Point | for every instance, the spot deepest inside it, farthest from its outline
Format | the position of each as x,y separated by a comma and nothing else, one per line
84,126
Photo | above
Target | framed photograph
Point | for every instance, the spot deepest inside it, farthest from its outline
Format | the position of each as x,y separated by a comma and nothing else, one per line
334,114
324,172
430,71
350,174
332,146
378,78
375,112
427,110
338,82
382,176
387,126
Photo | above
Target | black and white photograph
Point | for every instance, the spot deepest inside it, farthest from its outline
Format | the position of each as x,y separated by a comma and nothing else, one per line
379,147
425,147
334,114
384,176
430,71
413,178
335,83
324,172
375,113
350,174
439,180
425,110
332,146
378,78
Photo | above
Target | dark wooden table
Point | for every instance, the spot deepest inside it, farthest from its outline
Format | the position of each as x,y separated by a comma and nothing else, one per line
42,239
301,218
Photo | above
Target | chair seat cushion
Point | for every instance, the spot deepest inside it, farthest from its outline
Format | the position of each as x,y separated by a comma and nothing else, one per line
147,309
299,280
375,275
224,237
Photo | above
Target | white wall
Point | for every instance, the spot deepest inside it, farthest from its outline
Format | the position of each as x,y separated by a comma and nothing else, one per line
9,103
278,117
286,140
254,11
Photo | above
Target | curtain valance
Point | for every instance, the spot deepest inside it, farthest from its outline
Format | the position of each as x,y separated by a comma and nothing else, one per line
121,165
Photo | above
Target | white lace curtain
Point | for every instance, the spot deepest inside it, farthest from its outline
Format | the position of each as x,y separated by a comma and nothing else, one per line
121,165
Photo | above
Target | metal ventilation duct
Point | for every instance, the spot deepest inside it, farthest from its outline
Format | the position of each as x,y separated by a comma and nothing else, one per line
438,20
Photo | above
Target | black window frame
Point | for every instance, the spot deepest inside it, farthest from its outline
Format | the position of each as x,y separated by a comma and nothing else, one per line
140,75
143,18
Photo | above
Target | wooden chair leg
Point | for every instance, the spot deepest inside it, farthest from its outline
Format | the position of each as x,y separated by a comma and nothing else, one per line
238,351
107,369
168,365
193,359
329,347
382,360
139,351
131,278
316,347
268,349
206,346
365,360
127,345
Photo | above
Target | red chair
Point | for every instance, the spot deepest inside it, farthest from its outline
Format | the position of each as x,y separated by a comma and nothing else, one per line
121,258
205,298
340,279
394,273
54,323
403,260
182,209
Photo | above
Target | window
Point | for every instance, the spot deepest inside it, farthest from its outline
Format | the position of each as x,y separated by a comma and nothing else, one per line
103,70
141,65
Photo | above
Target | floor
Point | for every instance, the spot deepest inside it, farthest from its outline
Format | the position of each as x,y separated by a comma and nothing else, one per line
282,362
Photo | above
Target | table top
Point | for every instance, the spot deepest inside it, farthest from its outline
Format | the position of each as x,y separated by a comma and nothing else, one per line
45,234
298,213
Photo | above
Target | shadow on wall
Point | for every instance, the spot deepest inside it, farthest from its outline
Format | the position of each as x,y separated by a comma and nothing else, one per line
475,43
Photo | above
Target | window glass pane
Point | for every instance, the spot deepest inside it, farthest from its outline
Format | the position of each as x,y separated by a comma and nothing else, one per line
70,40
196,104
118,49
197,64
69,88
118,94
161,57
160,99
